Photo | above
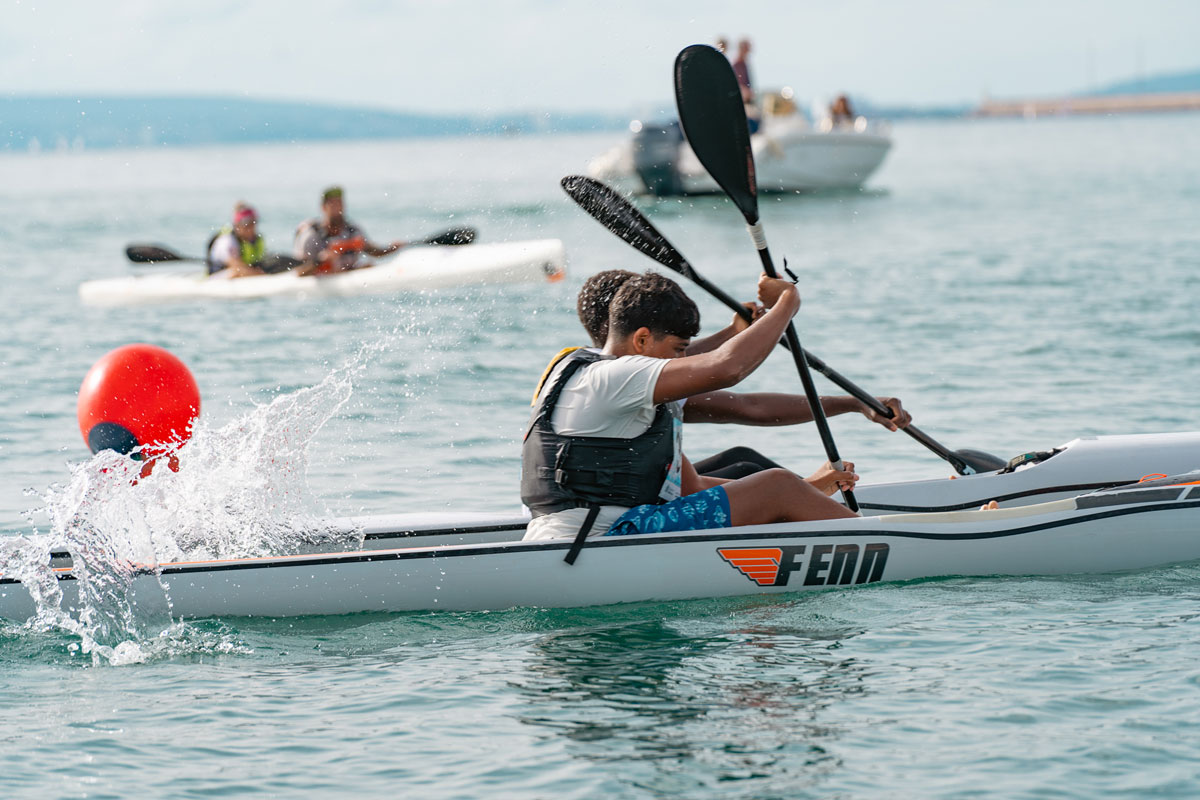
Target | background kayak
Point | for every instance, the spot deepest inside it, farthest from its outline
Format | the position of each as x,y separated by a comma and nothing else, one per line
414,268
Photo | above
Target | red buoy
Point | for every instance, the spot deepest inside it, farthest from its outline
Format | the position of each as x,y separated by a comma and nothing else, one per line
137,395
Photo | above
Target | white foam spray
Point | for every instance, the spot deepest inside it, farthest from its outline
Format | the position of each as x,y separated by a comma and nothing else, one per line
239,491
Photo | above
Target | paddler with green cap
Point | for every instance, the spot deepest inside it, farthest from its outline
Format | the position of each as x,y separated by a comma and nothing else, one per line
332,243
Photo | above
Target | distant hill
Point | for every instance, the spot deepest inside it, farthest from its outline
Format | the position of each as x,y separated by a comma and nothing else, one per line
1177,92
1155,84
59,122
52,122
1174,83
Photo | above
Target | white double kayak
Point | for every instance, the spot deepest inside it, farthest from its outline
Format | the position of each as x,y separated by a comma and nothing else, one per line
1096,517
414,268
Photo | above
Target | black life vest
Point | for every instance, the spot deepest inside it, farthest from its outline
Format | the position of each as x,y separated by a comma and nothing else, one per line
560,472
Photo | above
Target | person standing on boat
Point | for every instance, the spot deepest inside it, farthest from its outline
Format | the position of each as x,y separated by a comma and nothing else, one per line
741,69
840,113
603,450
237,250
759,408
333,243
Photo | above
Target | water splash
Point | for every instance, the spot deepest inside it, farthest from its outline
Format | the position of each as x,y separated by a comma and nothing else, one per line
239,491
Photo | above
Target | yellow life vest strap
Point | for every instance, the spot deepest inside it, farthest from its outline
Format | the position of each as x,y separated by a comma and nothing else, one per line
566,351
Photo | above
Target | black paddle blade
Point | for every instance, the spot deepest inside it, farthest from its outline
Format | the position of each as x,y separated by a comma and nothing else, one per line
454,236
980,461
714,121
274,264
614,212
151,254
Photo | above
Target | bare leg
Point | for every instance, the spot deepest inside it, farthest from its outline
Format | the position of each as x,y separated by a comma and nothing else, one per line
777,495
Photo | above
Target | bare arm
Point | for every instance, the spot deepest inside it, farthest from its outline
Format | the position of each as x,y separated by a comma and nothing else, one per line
308,249
240,269
733,361
375,250
765,408
710,343
762,408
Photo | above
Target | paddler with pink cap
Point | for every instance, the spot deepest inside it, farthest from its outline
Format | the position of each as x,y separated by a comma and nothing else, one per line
238,250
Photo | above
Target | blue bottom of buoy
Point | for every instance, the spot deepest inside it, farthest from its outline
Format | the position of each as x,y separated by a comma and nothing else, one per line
111,436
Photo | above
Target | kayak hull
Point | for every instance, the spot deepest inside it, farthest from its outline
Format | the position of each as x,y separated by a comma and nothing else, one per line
1068,510
1099,533
789,156
799,161
412,269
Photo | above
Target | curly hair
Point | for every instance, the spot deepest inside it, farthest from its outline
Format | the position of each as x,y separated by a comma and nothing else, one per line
594,299
656,302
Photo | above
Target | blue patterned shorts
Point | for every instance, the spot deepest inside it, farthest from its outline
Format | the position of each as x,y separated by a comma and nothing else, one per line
692,512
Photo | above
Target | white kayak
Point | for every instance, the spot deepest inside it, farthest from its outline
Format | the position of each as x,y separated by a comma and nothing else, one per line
478,561
413,268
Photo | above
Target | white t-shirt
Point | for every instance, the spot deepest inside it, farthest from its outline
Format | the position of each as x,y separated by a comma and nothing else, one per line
613,398
225,248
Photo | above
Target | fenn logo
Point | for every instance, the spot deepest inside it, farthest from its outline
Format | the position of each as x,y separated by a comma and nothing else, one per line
826,565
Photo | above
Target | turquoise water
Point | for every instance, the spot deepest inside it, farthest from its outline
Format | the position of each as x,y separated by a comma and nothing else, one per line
1017,285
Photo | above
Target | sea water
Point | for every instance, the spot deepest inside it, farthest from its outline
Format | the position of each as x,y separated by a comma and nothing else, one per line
1016,284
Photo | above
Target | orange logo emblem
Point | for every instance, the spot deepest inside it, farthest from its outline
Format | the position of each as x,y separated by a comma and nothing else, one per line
760,565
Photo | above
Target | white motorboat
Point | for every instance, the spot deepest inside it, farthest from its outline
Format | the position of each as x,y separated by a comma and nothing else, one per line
789,154
478,561
413,268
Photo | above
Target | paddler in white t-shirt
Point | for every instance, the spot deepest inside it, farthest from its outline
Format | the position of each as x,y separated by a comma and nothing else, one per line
603,452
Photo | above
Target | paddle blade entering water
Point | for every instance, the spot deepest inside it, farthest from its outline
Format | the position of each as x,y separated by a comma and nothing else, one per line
714,121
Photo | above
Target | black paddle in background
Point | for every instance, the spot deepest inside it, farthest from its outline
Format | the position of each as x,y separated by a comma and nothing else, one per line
157,254
154,254
713,119
452,237
617,214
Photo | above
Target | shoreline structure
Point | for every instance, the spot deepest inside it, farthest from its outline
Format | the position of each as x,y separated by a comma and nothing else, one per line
1111,104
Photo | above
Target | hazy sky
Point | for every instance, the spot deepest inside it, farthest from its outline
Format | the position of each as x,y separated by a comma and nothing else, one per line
615,55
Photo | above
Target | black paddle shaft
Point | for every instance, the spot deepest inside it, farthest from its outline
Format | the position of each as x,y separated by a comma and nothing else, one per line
713,118
810,388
